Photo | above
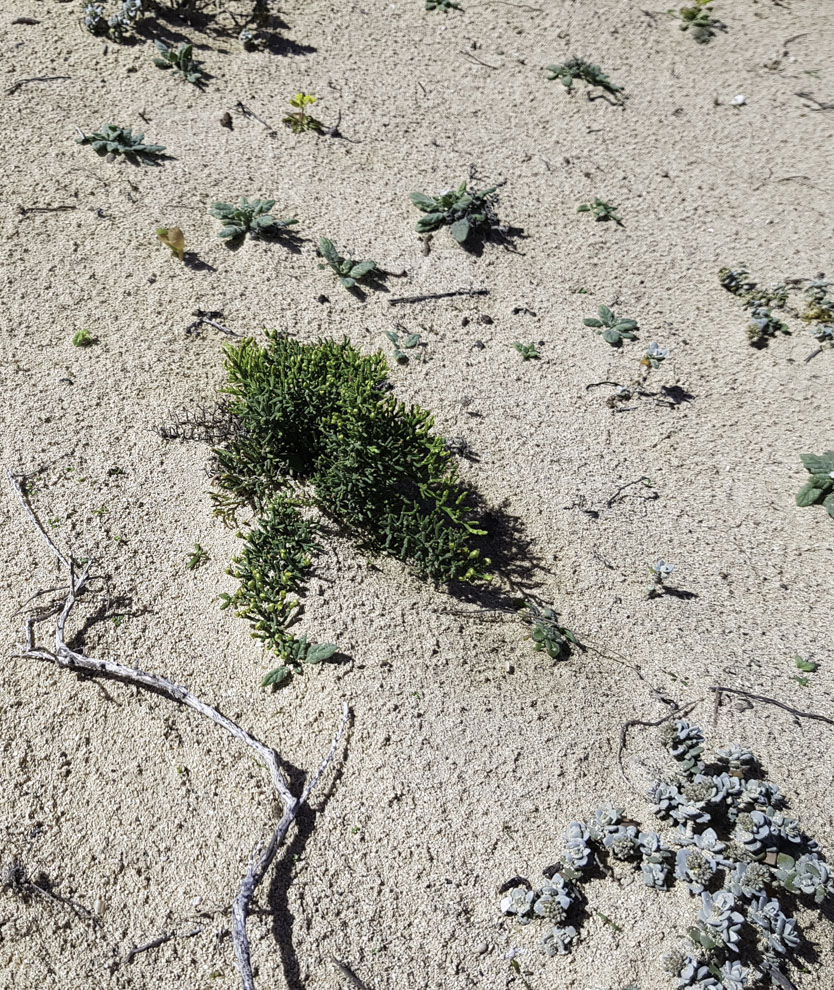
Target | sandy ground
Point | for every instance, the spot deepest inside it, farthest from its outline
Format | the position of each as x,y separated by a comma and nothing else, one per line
457,774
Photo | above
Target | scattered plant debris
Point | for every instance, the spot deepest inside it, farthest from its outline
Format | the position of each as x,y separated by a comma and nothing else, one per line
349,272
249,217
614,329
734,848
601,210
113,140
819,490
465,211
579,68
181,60
299,120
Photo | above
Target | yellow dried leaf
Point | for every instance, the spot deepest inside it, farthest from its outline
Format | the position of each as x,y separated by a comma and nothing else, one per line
173,238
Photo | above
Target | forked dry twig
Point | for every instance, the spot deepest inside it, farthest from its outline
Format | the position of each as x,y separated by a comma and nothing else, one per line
64,656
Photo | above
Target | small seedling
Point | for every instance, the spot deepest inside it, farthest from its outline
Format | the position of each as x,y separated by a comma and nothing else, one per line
819,490
601,210
614,329
348,271
300,121
118,25
250,217
173,238
547,634
118,620
578,68
660,572
528,352
465,211
299,652
698,19
199,556
181,60
113,140
83,338
444,5
409,342
654,356
807,666
760,302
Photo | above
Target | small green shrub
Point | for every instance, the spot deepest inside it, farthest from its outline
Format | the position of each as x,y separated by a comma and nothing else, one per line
118,25
819,490
698,19
299,120
113,140
181,60
601,210
547,634
528,352
348,271
465,211
250,217
614,329
578,68
82,338
760,301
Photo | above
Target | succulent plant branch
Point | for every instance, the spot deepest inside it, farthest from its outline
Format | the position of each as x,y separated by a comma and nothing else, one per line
64,656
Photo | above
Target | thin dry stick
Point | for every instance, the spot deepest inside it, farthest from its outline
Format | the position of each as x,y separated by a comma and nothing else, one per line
638,721
772,701
64,656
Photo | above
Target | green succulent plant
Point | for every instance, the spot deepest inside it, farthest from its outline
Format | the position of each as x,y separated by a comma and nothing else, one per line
181,60
114,140
249,217
601,210
579,68
348,270
528,352
819,489
613,329
465,211
547,634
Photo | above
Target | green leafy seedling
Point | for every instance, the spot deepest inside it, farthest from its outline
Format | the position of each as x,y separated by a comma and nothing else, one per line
528,352
83,338
348,271
114,140
199,556
547,634
601,210
614,329
819,490
808,666
579,68
465,211
181,60
299,120
300,652
698,19
173,238
250,217
409,342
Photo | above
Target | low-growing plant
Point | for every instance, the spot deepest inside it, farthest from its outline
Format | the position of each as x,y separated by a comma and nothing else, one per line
528,352
613,329
734,848
760,301
114,140
601,210
173,238
118,25
819,489
444,5
312,428
198,557
82,338
181,60
249,217
546,632
299,120
409,342
348,271
660,572
654,356
465,211
697,18
579,68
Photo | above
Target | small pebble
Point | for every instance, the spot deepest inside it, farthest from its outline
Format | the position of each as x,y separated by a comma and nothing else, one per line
481,949
739,101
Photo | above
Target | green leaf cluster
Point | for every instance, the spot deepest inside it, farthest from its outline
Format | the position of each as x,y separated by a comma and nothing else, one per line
181,60
601,210
614,329
465,211
819,489
547,634
348,271
112,139
528,352
698,19
579,68
409,342
250,217
299,120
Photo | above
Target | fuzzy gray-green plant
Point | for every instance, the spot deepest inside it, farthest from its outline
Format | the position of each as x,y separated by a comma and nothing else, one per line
409,342
114,140
760,301
348,271
249,217
614,329
116,26
819,489
181,60
579,68
465,211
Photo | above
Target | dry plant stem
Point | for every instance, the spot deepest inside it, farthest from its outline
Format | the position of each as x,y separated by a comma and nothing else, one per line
772,701
66,657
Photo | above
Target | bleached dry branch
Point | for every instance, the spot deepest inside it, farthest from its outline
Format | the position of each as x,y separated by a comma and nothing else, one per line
64,656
